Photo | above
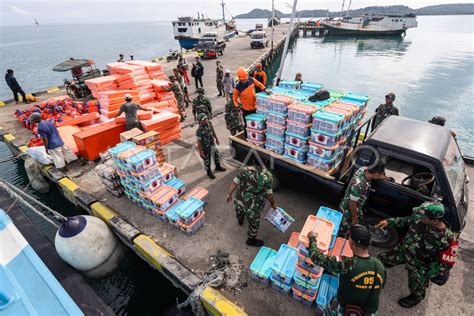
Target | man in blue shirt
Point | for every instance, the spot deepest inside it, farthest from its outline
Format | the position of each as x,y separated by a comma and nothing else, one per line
54,145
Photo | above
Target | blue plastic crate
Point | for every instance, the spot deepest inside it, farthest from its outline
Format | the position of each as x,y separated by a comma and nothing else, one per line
326,165
172,215
280,286
311,86
296,140
114,151
189,210
296,153
178,184
291,84
327,291
276,150
333,216
277,118
308,285
284,264
256,121
261,267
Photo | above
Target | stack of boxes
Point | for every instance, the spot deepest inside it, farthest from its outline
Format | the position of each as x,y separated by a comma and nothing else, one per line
305,131
291,268
109,177
256,124
276,122
298,131
152,183
331,126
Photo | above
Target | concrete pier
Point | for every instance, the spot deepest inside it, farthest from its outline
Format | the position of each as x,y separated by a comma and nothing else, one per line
181,258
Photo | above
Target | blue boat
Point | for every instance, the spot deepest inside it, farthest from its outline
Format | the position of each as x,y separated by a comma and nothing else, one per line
27,286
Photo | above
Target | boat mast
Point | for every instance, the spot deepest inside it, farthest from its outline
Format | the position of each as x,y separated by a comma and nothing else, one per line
223,12
342,10
287,41
273,20
348,8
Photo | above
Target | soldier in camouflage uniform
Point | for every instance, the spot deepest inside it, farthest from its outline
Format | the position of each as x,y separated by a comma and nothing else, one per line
357,274
219,77
352,205
206,140
233,119
182,84
178,94
426,238
253,184
385,110
202,104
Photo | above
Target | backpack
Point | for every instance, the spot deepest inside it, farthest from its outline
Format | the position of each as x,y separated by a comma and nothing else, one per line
320,95
193,71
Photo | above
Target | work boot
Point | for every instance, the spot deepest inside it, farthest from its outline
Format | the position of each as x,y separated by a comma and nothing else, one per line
254,242
220,168
409,301
210,174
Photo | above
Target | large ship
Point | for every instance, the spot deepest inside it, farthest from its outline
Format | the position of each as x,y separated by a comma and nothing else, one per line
370,25
189,30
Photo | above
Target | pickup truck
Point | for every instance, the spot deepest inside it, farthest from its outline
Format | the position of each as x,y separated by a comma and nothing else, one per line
210,48
258,39
423,161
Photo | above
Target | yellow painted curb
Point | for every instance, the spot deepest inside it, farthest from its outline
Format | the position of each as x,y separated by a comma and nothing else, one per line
2,103
8,137
45,169
150,250
53,89
219,305
103,212
23,149
68,186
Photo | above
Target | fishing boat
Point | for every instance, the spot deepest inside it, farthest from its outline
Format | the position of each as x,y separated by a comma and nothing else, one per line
370,25
189,30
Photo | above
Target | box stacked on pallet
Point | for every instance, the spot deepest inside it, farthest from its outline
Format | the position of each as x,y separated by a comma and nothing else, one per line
109,177
256,124
276,123
136,78
284,268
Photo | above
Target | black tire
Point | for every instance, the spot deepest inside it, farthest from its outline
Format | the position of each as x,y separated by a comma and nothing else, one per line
168,59
385,239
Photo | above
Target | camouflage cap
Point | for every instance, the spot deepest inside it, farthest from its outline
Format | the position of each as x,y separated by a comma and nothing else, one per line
201,117
200,91
432,210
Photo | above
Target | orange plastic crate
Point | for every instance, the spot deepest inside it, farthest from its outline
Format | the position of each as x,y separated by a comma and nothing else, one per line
98,139
322,227
294,239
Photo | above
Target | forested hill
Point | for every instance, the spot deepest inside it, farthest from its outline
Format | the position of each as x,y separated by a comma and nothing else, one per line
442,9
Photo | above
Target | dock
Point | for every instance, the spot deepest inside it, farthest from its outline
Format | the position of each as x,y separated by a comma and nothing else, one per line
183,258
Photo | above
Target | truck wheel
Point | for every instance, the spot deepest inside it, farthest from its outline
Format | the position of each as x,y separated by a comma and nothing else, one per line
381,238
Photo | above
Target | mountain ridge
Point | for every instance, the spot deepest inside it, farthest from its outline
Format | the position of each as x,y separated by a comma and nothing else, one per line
440,9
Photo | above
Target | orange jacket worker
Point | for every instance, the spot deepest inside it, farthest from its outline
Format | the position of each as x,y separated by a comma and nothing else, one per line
245,91
260,75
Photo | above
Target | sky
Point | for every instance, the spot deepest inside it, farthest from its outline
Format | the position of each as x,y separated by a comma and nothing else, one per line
23,12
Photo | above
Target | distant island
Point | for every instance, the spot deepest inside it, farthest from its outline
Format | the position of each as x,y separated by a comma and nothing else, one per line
442,9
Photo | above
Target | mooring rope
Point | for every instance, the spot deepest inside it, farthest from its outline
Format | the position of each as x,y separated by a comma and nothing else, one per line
21,196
